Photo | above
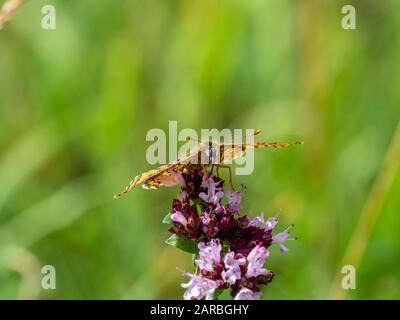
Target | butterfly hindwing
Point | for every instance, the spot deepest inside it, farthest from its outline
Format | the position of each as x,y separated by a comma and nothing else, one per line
146,176
155,178
163,176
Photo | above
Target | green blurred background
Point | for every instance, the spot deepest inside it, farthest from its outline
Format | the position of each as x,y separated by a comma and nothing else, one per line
76,104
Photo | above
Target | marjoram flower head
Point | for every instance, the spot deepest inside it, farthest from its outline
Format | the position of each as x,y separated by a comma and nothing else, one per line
230,248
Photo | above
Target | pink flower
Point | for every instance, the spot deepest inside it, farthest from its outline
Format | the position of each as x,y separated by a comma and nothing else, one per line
214,193
255,262
247,294
280,238
259,221
232,271
206,218
232,247
178,217
198,287
209,255
234,199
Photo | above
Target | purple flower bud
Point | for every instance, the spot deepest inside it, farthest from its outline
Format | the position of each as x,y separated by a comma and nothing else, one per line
213,231
219,209
178,217
218,268
223,220
191,220
213,276
204,272
221,284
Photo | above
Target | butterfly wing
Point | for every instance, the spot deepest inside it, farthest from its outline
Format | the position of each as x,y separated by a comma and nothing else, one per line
164,178
162,175
233,151
150,178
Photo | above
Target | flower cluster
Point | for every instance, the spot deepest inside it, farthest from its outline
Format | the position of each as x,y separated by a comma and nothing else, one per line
244,275
230,248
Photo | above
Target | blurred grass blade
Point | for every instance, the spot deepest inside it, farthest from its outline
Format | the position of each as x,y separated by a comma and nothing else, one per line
25,158
370,213
53,213
7,11
27,266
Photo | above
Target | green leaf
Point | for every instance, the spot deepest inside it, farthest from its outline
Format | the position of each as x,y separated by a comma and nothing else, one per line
182,243
167,219
217,293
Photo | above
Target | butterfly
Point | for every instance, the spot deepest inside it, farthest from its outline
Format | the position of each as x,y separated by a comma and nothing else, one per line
207,153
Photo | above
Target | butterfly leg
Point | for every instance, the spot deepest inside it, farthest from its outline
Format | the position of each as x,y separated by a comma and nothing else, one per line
230,173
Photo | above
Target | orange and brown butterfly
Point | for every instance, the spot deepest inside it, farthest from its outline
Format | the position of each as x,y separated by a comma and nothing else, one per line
208,153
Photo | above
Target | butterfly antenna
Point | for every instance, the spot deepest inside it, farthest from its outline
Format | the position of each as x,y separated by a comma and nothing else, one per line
256,132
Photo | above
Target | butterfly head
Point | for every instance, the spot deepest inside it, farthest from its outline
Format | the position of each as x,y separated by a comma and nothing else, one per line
209,151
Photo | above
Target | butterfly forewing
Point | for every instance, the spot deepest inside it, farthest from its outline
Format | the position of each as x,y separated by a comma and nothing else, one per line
231,151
